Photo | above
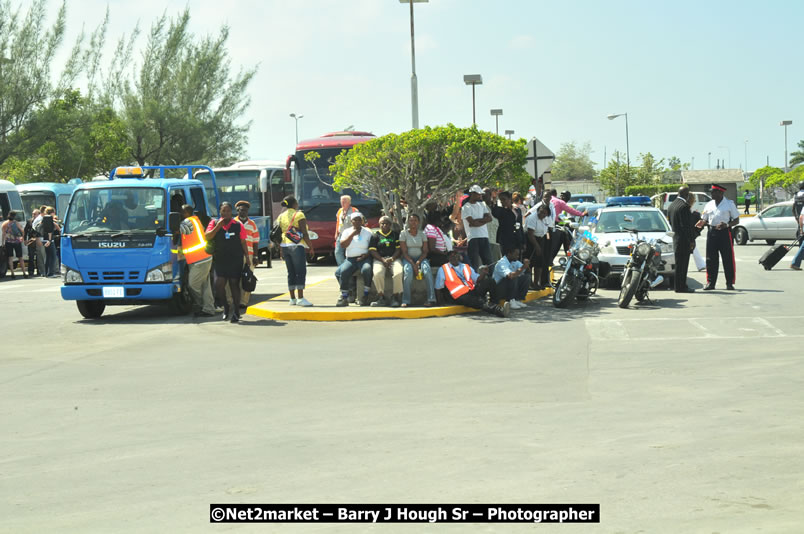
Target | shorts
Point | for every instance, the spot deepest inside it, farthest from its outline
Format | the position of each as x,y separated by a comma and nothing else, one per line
11,248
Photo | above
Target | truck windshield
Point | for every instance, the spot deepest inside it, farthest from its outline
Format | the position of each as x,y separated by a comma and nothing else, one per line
116,209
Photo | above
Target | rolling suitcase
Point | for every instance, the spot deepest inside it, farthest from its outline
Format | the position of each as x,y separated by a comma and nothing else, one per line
775,254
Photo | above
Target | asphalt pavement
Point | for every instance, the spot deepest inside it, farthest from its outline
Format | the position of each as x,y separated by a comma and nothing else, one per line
683,415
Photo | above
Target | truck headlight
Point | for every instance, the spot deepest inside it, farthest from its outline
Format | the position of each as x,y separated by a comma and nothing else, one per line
71,276
163,273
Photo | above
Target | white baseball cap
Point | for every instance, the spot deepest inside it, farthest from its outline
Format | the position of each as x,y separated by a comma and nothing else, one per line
476,189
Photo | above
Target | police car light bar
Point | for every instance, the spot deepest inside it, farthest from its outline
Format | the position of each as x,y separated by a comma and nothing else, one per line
628,201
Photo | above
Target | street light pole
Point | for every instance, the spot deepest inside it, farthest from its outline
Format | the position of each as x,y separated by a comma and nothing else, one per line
729,152
509,133
785,124
709,161
746,155
496,114
297,117
613,116
414,81
473,79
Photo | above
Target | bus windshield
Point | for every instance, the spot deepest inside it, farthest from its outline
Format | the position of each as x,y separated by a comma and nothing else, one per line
34,200
116,209
232,187
309,186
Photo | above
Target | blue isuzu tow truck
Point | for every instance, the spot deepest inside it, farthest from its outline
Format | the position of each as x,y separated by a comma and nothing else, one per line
121,237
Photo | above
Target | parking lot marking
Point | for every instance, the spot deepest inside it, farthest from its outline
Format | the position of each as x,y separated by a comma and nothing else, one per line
614,329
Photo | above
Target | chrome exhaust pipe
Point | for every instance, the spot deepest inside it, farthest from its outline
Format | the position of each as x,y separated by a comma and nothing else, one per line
659,280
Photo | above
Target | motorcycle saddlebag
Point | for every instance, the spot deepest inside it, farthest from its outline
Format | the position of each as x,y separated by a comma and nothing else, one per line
773,256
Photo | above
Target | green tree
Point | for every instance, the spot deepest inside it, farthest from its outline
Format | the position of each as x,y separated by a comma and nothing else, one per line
797,156
649,170
430,165
768,174
787,181
27,50
69,138
573,162
617,175
185,104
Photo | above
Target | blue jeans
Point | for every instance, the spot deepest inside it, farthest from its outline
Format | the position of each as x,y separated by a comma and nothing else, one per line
296,264
340,254
799,256
407,280
479,252
349,267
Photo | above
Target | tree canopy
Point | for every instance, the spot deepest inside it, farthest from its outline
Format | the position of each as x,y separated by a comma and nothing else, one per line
617,175
180,104
573,162
797,156
430,165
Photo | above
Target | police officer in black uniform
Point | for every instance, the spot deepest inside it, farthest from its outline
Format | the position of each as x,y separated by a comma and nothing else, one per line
683,237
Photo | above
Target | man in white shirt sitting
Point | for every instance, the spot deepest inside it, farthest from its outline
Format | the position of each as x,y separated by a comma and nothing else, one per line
355,241
720,215
476,216
462,285
511,277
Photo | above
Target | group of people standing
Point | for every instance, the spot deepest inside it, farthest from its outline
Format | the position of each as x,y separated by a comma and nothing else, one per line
720,215
38,237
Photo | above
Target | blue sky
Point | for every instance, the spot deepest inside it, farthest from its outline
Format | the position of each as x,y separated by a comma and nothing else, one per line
694,77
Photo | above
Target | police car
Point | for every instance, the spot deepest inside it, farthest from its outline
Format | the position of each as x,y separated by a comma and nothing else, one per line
611,230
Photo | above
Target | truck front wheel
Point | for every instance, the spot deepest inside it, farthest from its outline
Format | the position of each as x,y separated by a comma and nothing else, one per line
91,309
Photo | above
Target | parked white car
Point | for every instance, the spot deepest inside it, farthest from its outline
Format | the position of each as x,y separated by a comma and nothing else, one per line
772,223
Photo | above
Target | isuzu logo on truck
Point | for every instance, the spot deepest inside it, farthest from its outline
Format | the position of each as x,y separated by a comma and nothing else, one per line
116,244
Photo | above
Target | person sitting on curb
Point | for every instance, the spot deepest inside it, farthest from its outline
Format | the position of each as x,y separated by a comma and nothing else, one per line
355,241
512,277
384,248
462,285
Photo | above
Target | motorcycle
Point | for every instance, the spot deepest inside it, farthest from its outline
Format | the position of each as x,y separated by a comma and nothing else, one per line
643,267
581,270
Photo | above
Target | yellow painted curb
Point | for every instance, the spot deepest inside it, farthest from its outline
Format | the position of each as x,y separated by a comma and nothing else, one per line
324,314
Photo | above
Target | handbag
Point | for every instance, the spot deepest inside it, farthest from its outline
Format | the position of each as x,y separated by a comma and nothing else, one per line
247,279
292,233
276,233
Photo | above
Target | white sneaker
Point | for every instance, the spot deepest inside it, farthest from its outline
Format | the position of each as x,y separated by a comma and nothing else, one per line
292,302
303,302
515,305
521,304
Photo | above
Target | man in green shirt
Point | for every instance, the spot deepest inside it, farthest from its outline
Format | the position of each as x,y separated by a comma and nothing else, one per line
384,248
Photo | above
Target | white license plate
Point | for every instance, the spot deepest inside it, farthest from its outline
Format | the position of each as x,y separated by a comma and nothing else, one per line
114,292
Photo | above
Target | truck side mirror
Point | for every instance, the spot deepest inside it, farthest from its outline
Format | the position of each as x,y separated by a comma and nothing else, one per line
263,181
174,221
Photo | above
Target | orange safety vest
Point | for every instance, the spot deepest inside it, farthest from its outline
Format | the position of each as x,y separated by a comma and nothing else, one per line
453,283
192,245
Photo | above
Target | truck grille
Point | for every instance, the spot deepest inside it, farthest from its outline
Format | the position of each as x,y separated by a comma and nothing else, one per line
623,251
113,276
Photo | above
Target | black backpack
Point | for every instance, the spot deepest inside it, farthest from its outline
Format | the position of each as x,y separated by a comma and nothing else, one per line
798,203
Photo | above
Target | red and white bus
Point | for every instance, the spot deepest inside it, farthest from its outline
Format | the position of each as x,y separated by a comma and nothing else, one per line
319,202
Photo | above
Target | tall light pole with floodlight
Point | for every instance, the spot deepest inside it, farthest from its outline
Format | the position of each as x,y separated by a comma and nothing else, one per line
414,82
509,133
496,114
473,80
296,118
785,124
613,116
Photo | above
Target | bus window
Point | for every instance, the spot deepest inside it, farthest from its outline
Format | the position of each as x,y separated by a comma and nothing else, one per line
61,209
278,186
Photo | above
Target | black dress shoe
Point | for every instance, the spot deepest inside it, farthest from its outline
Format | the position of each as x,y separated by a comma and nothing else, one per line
685,290
730,287
235,318
709,287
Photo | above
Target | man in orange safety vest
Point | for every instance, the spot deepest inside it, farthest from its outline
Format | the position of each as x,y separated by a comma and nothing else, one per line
199,262
462,285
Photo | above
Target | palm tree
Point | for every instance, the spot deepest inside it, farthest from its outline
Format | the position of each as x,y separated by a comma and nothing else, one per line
797,156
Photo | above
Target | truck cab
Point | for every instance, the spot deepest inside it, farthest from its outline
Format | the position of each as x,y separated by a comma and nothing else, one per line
120,239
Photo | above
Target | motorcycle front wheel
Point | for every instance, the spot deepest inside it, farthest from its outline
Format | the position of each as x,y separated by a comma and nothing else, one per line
566,290
629,287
